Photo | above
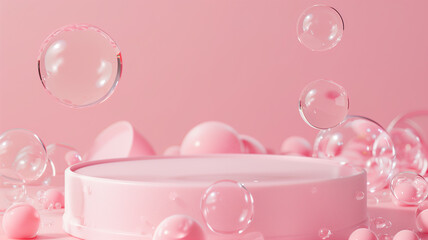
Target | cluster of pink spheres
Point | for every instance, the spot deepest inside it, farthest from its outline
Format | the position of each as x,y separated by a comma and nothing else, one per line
366,234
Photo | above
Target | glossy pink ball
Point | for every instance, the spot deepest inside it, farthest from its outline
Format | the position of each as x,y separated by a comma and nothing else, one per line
53,199
211,138
362,234
406,235
422,221
405,192
21,221
252,145
172,151
296,145
179,227
409,188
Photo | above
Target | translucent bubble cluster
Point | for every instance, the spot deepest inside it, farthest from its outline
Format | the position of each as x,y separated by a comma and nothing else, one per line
23,156
323,104
409,188
11,193
227,207
80,65
362,143
379,223
320,28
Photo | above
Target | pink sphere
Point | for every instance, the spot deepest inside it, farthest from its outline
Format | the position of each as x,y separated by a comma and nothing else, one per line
362,234
211,138
252,145
21,221
406,235
422,221
172,151
72,157
179,227
296,145
405,192
53,199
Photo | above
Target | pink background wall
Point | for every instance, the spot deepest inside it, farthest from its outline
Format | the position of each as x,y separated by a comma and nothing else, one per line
237,61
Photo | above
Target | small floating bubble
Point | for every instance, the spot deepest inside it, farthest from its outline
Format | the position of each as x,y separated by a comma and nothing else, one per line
227,207
324,233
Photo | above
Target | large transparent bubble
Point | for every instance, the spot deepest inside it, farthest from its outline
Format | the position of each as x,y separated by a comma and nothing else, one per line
362,143
80,65
227,207
23,156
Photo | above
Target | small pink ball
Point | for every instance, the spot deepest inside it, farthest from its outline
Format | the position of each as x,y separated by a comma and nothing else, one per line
172,151
406,235
211,138
296,145
179,227
363,234
252,145
422,221
21,221
405,192
72,157
53,199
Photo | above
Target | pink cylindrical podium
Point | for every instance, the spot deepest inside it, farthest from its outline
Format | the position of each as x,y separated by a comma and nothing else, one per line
294,197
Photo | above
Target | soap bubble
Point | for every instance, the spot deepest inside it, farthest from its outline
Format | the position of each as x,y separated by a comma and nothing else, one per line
320,28
227,207
323,104
11,193
80,65
359,195
51,177
47,177
23,156
379,171
362,143
409,188
324,233
411,154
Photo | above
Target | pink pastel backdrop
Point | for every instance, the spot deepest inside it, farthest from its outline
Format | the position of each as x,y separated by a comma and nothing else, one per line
237,61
